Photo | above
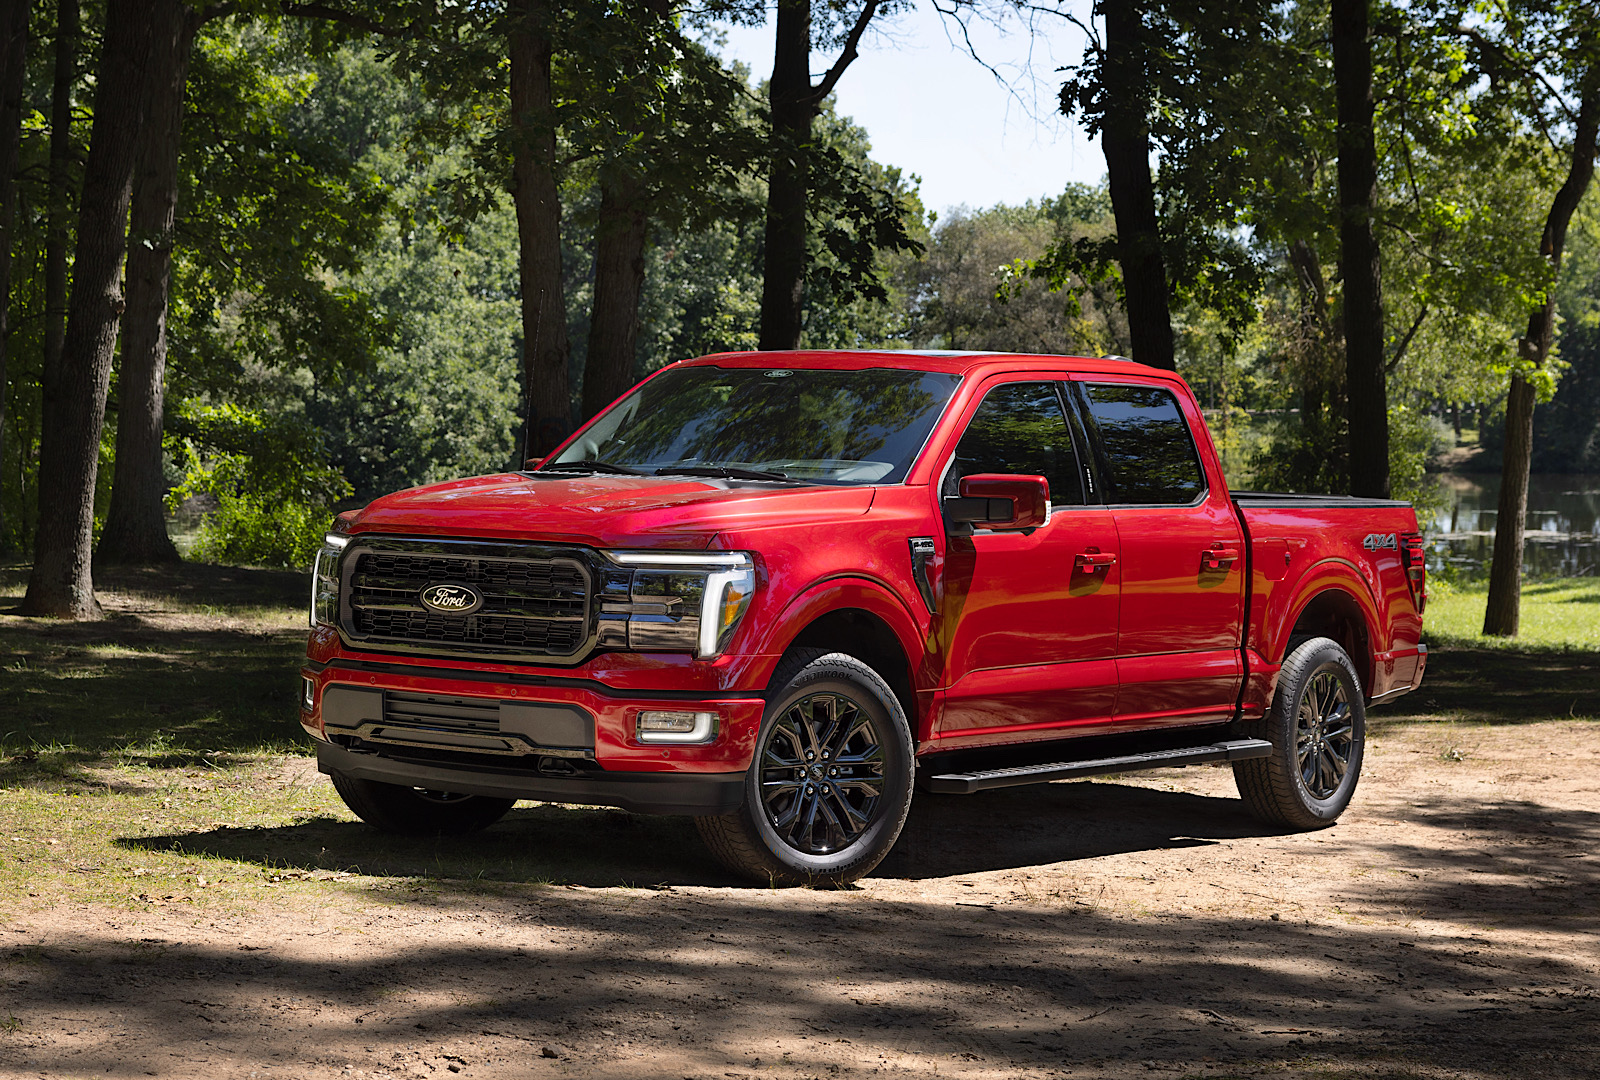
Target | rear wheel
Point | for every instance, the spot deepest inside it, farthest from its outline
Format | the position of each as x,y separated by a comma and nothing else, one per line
410,811
830,784
1317,726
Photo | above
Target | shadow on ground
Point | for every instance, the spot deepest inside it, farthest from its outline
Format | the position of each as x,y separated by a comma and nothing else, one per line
1502,686
794,984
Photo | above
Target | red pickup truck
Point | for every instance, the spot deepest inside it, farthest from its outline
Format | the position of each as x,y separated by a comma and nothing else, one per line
782,591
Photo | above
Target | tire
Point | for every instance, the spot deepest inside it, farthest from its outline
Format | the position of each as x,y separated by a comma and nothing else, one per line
809,823
406,811
1318,728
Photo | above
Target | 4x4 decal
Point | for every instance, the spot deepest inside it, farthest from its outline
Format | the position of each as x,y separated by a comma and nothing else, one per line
1375,541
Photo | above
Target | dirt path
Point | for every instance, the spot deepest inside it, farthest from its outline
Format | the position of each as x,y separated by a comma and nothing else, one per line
1447,927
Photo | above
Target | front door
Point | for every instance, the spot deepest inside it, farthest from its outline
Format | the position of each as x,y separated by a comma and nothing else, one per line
1029,618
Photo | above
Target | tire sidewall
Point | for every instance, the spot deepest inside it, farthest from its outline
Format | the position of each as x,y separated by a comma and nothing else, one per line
1308,661
827,674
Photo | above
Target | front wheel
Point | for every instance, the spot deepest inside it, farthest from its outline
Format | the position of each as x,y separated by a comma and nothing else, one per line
1318,727
830,784
408,811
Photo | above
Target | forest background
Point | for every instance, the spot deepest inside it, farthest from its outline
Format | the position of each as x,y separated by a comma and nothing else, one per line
273,259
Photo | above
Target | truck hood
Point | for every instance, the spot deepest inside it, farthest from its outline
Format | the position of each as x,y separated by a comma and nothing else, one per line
604,511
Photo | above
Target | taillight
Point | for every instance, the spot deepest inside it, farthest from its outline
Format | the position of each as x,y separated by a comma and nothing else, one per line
1415,556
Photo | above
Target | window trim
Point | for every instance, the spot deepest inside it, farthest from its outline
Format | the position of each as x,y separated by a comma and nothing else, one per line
1082,385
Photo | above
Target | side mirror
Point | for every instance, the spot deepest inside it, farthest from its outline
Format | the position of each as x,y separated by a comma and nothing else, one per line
1000,501
532,463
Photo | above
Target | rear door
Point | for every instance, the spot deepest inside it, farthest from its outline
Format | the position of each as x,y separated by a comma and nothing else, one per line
1030,618
1181,554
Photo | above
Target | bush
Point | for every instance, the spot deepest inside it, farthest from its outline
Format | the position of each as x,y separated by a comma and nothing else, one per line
269,476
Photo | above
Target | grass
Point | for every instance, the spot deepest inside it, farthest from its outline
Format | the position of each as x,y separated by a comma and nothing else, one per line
154,759
1560,614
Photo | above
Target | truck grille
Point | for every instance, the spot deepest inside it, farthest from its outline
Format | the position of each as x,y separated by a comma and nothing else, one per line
533,605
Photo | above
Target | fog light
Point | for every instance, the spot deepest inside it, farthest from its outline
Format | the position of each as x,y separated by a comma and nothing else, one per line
308,694
676,727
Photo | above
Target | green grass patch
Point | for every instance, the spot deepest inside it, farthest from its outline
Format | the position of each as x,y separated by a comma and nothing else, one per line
1559,614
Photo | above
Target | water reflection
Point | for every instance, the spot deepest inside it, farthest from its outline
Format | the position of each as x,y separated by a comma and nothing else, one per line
1561,538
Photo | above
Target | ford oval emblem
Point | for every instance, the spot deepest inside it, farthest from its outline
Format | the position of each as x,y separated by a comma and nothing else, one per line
451,599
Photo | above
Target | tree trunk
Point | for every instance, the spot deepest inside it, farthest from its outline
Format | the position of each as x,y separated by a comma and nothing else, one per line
1359,261
57,232
136,527
547,406
1504,611
618,281
13,57
790,95
69,445
1125,140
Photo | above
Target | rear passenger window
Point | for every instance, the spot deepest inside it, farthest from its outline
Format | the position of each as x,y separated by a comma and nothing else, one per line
1148,449
1020,428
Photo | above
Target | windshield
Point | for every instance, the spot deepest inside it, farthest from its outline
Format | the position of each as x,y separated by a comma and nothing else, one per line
831,427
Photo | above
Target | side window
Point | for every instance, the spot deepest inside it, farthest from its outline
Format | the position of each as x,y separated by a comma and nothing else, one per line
1149,452
1020,428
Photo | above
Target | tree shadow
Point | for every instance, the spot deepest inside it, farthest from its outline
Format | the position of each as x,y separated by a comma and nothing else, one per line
1496,686
804,984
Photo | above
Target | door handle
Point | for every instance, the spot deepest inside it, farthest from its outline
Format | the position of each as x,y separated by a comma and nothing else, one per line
1093,561
1217,557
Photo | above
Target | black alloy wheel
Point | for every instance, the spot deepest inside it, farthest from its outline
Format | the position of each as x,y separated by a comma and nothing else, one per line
1317,725
1324,735
829,786
821,773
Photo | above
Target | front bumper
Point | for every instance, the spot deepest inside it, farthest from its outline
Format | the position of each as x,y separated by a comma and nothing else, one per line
643,793
523,736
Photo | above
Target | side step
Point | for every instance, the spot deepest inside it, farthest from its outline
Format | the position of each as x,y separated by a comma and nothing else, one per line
967,783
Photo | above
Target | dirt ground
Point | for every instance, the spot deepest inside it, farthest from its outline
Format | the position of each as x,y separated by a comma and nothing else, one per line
1445,928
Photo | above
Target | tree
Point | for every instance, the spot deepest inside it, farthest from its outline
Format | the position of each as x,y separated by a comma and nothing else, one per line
1576,28
795,101
135,528
60,583
13,60
1359,262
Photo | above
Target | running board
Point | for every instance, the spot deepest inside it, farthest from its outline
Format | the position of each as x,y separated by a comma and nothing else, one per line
967,783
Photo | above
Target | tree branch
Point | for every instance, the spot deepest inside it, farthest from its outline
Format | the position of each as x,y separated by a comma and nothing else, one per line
329,13
820,92
1488,44
1405,343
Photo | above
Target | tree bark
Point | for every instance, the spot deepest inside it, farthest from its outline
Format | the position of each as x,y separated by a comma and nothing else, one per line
1125,140
13,57
1503,614
57,225
547,406
790,95
1365,379
69,445
136,526
618,281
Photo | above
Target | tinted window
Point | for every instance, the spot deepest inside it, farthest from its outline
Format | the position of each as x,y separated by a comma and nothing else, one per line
1148,448
1020,428
838,427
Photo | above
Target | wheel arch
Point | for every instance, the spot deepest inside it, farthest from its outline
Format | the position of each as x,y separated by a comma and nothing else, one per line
860,618
1335,612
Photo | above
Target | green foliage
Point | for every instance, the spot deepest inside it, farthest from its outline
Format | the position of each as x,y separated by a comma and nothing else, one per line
982,286
268,475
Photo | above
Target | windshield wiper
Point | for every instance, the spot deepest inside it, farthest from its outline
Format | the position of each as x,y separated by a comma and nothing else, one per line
726,472
591,466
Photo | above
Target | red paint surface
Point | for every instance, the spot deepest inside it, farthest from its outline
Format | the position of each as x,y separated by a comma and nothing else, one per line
1102,619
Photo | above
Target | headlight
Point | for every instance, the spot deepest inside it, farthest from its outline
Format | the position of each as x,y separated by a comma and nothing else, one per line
325,581
669,601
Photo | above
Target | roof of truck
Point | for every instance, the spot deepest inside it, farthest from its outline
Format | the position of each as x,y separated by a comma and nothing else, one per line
957,363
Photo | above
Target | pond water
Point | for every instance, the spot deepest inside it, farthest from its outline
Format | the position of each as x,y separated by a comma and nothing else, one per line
1562,538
